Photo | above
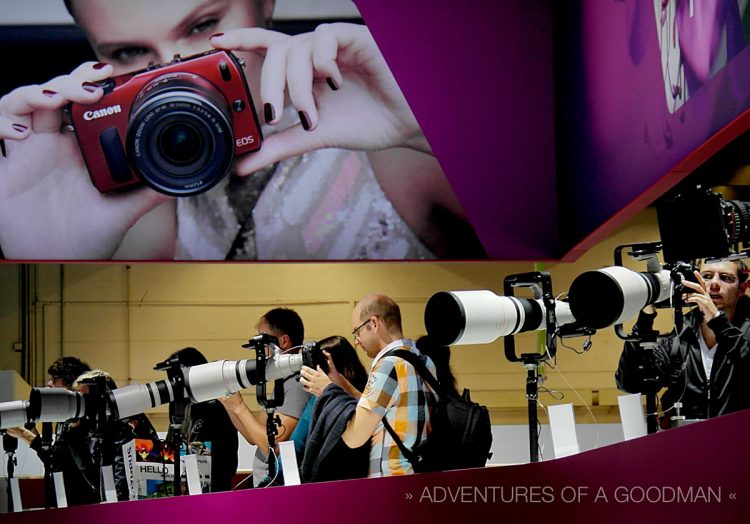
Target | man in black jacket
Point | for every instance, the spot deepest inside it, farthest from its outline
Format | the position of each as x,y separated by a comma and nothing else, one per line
705,367
62,374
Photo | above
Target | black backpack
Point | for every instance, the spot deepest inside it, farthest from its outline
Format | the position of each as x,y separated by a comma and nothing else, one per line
461,434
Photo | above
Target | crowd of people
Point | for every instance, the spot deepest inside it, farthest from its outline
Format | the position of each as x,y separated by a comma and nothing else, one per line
338,402
335,412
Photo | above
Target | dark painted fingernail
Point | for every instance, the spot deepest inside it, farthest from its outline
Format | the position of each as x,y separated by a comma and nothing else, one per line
100,65
90,87
332,83
20,128
215,35
304,120
49,92
269,113
2,148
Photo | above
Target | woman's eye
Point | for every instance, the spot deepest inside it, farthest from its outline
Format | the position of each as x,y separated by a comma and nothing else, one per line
204,26
128,54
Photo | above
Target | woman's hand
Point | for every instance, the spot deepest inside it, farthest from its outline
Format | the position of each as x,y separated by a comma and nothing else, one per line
340,85
49,208
23,434
314,381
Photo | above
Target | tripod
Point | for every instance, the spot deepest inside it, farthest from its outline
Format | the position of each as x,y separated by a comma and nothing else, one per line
272,420
269,404
532,361
97,390
177,408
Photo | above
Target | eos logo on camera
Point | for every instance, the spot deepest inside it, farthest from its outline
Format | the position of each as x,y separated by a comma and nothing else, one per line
245,141
101,113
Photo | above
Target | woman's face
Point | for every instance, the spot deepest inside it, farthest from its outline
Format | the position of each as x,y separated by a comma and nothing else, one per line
128,35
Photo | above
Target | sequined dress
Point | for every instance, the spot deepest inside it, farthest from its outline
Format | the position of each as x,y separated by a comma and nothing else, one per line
323,205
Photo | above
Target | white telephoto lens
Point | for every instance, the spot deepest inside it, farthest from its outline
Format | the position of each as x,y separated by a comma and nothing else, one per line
59,405
282,366
14,413
215,379
481,317
137,398
613,295
563,315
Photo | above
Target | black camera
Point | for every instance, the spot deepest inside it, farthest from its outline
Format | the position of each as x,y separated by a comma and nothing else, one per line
312,357
682,272
700,224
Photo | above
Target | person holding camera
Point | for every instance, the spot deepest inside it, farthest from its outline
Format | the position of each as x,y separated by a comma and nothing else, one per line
344,172
286,325
394,392
91,443
62,374
207,424
705,367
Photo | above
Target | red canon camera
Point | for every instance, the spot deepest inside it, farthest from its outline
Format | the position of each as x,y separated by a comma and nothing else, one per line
175,127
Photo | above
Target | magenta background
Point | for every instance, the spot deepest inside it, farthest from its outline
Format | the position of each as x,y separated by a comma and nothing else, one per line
478,76
707,454
491,82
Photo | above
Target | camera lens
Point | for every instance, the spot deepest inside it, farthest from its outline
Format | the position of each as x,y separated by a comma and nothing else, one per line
180,143
481,317
180,135
603,297
737,220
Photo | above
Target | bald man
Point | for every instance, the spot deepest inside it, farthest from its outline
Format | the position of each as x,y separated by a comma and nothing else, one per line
394,390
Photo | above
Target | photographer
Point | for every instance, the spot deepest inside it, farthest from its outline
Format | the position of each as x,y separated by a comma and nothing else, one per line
62,374
207,424
344,173
394,392
705,367
286,325
83,439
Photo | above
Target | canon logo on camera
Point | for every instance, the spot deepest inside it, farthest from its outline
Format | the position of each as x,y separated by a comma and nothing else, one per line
101,113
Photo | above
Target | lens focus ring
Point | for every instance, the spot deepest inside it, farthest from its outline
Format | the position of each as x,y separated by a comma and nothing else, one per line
180,138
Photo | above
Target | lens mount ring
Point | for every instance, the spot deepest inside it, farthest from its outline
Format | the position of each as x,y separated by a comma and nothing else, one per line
179,171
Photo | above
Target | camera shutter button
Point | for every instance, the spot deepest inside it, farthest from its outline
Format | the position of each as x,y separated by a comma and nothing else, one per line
107,85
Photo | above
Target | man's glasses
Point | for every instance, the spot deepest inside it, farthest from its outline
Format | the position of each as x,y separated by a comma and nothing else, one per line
356,331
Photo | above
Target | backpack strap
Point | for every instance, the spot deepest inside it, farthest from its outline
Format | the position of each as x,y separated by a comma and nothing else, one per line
409,454
420,366
428,377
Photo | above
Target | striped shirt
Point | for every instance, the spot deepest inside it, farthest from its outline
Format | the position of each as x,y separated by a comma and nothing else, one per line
395,390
